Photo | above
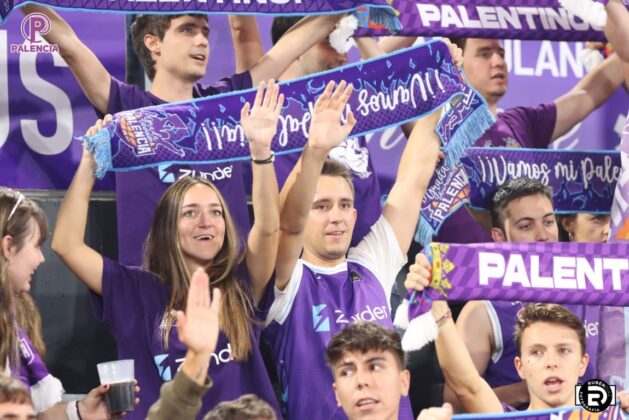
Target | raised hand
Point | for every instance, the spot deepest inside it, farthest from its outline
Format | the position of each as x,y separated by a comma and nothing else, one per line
260,125
419,273
198,328
436,413
455,52
88,158
326,131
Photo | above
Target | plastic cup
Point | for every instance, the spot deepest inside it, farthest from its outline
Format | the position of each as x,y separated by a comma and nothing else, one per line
119,375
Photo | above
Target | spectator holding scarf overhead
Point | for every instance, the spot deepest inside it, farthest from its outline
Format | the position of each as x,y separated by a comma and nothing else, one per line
174,50
192,228
551,354
23,229
522,211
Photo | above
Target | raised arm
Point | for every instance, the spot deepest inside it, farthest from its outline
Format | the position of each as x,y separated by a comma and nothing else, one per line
92,76
198,329
297,40
259,128
248,48
416,168
590,93
475,328
326,132
68,239
456,364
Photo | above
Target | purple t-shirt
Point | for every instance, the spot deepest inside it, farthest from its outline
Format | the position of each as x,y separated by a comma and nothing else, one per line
317,303
355,154
528,127
138,192
501,369
132,305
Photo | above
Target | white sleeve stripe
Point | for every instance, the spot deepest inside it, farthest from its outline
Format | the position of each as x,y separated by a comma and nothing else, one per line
495,325
283,303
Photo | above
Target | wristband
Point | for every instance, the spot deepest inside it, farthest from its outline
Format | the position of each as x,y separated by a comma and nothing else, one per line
270,159
444,318
72,410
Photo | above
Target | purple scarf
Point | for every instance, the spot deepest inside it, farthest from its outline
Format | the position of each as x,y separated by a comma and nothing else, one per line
389,91
501,19
566,273
582,181
379,10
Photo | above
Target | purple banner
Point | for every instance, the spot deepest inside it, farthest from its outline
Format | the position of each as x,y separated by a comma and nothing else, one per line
501,19
42,106
582,180
389,91
559,272
273,7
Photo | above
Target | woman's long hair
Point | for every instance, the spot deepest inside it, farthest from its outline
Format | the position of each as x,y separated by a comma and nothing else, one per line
18,309
163,257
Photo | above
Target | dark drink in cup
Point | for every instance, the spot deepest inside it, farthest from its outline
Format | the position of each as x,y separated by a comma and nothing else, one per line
119,375
120,397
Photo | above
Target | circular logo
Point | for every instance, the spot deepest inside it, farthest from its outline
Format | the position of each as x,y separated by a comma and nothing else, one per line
34,23
595,396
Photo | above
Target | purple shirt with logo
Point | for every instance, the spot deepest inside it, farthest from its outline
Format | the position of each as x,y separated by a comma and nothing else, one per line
355,155
132,305
138,192
528,127
501,370
318,303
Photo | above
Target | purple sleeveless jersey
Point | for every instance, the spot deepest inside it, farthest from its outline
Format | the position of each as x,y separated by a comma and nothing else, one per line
139,191
529,127
318,303
501,370
132,305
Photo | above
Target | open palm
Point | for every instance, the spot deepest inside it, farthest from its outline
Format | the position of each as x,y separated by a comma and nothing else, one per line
198,328
326,129
260,125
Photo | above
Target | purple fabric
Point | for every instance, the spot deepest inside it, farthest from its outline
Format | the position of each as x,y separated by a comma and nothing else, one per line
529,127
566,273
356,156
502,371
324,304
132,305
138,192
501,19
581,181
32,367
390,90
273,7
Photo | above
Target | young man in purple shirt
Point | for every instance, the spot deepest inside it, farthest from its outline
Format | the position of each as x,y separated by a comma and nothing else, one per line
528,127
522,211
175,52
321,284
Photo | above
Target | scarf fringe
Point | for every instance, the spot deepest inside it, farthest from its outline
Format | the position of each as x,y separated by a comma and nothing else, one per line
385,16
470,130
99,146
421,331
589,11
